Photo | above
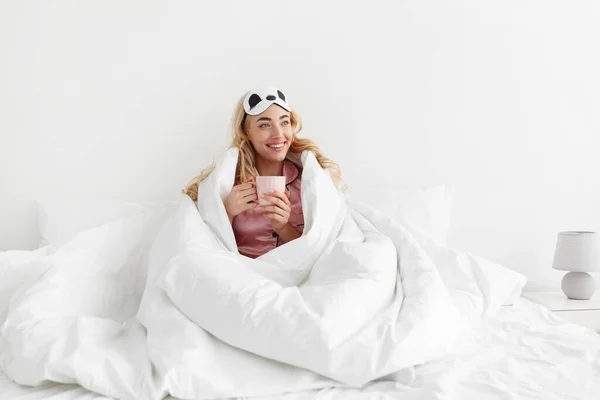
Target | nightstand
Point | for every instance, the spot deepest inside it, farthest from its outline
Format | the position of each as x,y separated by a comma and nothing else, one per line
581,312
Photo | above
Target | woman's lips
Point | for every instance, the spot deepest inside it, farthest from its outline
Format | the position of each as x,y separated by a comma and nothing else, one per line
276,146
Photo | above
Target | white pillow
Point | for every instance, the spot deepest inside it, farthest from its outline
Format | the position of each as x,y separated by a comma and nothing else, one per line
59,221
19,269
426,209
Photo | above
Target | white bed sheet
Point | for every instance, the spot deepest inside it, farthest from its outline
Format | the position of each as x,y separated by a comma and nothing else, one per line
525,352
50,390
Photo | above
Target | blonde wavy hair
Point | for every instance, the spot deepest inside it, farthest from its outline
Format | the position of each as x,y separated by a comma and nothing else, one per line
245,165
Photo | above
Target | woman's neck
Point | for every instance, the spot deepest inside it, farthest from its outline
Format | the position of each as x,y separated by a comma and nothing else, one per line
269,168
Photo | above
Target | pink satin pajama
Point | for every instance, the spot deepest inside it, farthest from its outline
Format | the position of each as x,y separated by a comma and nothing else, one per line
253,232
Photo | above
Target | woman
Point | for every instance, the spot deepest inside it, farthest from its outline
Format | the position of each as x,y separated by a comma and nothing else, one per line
265,130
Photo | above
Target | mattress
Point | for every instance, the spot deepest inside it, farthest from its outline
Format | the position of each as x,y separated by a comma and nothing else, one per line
525,352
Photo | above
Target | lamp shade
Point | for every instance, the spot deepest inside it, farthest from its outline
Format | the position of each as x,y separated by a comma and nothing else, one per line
577,251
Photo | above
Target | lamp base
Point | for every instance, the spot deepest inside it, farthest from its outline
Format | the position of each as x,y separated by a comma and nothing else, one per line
578,285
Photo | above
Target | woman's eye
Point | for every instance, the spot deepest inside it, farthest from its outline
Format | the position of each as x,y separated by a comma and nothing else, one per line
263,126
285,122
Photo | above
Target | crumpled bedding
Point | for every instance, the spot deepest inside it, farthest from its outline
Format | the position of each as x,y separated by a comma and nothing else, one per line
523,352
164,304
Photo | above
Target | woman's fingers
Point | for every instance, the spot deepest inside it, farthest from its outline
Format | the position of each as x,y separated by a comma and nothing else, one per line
250,205
277,205
248,192
275,210
245,186
278,199
282,196
241,198
250,198
276,217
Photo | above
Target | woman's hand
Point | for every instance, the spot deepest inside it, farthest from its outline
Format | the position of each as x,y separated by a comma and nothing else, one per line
241,198
279,211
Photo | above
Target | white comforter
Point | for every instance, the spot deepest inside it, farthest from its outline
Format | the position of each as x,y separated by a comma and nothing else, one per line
165,304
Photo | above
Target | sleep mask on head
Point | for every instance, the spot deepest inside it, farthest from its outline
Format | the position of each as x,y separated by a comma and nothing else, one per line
259,99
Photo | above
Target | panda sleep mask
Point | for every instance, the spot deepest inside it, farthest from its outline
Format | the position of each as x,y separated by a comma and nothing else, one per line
259,99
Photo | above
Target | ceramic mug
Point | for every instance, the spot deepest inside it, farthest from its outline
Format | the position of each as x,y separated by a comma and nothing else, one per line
265,184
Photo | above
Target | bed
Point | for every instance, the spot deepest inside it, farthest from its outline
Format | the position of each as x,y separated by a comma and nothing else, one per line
372,304
525,352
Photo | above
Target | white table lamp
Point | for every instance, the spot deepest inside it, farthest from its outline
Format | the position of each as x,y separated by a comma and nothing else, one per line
577,252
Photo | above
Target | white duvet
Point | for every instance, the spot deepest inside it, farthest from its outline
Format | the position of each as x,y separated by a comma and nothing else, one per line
164,304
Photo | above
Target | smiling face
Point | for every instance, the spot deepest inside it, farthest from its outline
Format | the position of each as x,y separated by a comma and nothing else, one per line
270,133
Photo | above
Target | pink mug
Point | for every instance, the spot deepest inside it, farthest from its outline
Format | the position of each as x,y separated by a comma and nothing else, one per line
265,184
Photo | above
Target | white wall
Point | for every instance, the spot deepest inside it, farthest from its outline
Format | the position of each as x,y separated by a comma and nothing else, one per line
130,99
